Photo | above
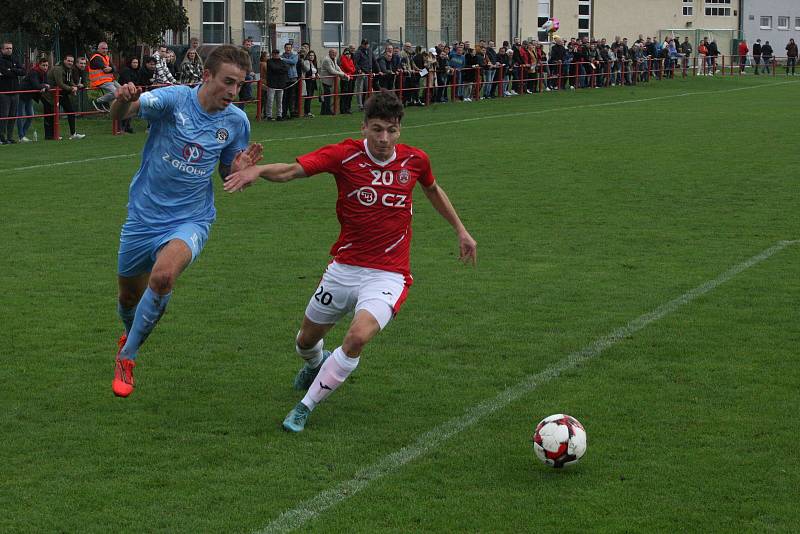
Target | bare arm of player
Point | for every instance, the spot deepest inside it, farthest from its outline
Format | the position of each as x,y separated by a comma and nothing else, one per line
126,102
274,172
468,248
243,159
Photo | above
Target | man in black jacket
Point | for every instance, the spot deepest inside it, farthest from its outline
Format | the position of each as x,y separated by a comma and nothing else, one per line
766,55
362,59
557,55
277,80
756,55
10,71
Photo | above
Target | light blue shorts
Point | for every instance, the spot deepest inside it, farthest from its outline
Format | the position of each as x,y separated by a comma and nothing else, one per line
139,244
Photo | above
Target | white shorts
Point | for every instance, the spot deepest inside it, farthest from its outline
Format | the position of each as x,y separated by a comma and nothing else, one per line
348,288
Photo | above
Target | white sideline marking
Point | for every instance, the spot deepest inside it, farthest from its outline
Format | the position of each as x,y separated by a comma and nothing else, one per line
311,508
68,162
427,124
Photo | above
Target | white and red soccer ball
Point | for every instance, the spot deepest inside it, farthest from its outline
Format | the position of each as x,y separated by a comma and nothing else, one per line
559,440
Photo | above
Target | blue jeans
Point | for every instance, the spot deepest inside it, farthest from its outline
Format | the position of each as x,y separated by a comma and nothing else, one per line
488,78
25,107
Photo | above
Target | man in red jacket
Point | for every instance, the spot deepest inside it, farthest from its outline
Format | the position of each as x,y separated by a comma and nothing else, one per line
743,50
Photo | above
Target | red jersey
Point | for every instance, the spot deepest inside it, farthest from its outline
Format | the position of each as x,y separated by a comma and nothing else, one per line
374,201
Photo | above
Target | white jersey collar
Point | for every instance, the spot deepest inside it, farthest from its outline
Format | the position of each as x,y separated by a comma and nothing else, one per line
377,161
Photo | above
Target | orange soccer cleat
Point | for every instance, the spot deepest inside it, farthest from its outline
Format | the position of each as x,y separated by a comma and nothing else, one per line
123,383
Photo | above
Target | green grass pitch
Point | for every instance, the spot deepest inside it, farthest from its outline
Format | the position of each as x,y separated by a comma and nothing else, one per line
590,208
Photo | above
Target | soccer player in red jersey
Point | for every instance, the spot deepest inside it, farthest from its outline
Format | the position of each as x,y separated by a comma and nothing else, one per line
369,274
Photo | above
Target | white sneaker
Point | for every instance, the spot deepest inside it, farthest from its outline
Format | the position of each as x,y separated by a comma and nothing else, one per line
467,100
77,135
507,93
24,140
547,89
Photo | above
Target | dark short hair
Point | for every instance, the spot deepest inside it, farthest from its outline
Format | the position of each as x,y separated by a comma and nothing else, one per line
364,42
228,54
276,51
383,105
149,59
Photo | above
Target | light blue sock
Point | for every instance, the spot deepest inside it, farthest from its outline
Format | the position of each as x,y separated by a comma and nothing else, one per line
150,309
127,315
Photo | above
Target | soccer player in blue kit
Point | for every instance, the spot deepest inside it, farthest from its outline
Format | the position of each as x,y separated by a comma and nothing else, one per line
171,196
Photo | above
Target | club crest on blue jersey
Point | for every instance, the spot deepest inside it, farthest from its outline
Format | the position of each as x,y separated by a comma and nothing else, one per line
222,135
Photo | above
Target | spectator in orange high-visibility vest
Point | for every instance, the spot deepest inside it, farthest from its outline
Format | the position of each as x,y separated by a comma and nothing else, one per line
102,75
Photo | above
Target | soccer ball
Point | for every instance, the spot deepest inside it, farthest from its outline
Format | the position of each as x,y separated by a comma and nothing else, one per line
559,440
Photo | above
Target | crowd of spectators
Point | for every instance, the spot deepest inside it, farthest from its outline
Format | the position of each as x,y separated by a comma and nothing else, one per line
291,78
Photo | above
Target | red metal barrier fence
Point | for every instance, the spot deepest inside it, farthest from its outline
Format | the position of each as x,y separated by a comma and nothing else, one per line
526,79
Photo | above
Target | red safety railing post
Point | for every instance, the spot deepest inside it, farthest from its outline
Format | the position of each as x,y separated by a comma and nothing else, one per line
301,82
336,82
56,102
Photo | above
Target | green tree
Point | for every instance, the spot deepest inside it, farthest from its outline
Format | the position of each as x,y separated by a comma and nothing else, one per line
78,25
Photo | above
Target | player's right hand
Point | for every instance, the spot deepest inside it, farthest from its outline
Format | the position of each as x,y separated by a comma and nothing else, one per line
242,179
128,92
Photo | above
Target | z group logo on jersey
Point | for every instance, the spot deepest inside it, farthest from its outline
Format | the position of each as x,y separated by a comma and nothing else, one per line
222,135
192,152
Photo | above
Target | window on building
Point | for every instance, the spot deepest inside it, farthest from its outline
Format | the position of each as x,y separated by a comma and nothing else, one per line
712,11
544,16
254,18
332,22
797,23
783,23
765,23
294,11
718,11
415,30
451,20
688,8
584,18
213,21
371,16
484,19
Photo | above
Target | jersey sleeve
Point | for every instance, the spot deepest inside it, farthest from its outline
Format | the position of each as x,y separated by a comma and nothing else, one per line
158,103
426,175
240,142
325,159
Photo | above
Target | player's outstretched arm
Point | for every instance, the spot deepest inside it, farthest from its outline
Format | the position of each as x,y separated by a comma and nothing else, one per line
243,159
468,248
274,172
126,101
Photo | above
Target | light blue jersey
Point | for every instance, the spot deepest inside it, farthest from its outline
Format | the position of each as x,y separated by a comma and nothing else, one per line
172,195
174,183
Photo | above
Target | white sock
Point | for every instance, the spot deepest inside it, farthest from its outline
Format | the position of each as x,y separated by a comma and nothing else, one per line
334,371
312,356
